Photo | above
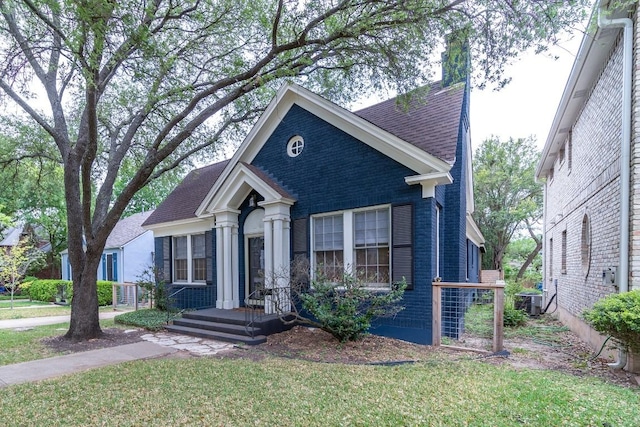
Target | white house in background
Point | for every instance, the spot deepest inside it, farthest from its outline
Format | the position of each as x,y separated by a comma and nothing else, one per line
127,253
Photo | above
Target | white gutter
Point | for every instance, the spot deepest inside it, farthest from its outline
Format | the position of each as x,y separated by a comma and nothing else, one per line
625,152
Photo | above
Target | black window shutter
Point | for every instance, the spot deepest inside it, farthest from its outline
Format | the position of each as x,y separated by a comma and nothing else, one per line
402,244
208,248
300,238
166,259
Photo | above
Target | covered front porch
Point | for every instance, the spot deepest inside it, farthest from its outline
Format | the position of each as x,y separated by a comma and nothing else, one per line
252,240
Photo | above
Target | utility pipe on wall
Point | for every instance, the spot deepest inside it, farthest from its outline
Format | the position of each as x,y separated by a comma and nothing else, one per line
625,151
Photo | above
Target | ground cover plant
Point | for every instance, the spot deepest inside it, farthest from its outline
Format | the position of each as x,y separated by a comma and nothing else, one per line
151,319
280,391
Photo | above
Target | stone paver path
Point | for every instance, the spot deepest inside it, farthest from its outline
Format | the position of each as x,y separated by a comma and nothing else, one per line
196,346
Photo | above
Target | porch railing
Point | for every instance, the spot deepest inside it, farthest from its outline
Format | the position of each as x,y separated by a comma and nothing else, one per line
254,312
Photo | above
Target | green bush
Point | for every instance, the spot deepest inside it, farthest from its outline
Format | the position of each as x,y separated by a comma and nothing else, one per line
514,317
618,315
346,309
151,319
46,290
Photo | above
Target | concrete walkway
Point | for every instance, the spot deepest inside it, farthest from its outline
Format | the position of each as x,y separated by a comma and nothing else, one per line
42,369
50,320
155,344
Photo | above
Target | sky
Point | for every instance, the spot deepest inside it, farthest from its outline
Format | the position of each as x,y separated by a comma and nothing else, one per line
527,105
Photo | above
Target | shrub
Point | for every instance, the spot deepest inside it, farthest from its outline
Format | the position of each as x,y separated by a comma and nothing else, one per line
618,315
346,308
46,290
514,317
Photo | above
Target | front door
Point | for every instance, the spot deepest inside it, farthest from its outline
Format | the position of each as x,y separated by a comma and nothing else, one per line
255,263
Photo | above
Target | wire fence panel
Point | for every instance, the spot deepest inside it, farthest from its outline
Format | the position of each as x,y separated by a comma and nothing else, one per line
129,295
468,315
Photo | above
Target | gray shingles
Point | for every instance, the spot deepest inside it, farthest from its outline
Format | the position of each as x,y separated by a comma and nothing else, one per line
182,202
127,229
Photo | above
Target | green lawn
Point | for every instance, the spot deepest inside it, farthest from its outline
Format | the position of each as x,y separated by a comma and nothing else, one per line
18,303
210,392
53,310
22,346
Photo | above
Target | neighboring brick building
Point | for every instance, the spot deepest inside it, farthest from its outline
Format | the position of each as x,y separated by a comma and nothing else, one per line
382,190
581,170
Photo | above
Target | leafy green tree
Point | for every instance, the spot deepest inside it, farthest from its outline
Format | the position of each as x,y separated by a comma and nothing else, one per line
522,261
163,81
15,262
35,195
507,197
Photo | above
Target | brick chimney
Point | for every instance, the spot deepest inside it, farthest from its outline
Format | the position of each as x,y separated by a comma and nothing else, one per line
456,61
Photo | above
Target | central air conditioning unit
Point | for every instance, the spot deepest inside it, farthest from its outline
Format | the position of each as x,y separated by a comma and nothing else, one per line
530,303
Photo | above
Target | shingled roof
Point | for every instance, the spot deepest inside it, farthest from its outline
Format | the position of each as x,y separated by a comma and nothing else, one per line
182,202
431,123
127,229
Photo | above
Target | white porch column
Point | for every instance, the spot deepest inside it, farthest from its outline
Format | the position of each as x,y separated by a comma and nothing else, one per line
226,228
268,252
219,267
276,245
235,272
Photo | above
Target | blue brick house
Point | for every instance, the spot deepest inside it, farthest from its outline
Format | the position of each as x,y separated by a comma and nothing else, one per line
386,190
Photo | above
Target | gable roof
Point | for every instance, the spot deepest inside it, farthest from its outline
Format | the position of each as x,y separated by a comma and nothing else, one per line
422,137
12,236
430,123
183,201
127,229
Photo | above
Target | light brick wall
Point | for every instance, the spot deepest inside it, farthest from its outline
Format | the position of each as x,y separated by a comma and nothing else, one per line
590,186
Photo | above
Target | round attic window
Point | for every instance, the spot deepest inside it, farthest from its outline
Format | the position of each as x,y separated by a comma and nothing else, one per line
295,146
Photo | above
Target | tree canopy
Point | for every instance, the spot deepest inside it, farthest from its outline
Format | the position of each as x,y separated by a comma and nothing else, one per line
507,197
157,82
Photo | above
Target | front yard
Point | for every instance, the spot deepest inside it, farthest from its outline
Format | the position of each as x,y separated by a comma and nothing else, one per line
303,378
281,391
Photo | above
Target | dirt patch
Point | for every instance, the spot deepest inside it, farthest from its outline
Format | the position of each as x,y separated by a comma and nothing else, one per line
111,337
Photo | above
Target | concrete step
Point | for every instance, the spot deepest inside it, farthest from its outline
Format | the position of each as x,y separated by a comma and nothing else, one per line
229,328
215,335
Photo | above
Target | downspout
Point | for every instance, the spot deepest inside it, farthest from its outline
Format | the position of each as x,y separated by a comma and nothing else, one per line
625,153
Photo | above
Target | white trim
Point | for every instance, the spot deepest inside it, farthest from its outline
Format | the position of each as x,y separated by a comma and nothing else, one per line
299,142
591,58
190,281
429,182
231,191
289,94
473,232
192,226
348,239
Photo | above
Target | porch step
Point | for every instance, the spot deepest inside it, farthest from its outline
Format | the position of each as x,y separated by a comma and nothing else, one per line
211,325
217,335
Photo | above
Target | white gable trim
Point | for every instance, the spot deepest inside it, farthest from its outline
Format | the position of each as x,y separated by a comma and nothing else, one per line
473,232
289,94
237,186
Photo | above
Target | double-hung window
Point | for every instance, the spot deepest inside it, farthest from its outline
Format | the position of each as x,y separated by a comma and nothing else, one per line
189,258
357,241
371,245
328,246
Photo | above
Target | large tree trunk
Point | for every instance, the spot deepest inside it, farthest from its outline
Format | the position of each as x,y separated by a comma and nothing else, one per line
529,259
85,319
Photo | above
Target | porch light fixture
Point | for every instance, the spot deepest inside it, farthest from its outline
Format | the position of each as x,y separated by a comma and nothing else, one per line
253,200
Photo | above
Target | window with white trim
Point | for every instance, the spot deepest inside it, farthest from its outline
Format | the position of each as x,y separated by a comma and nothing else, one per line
328,245
354,240
371,245
189,258
295,146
